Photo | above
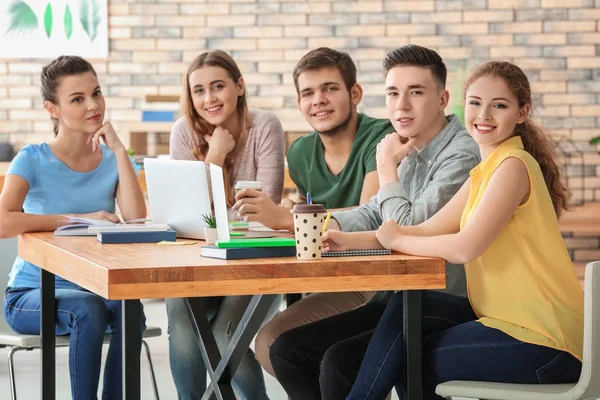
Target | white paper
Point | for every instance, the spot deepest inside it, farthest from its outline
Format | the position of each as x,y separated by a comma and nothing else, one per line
219,201
89,221
130,228
256,226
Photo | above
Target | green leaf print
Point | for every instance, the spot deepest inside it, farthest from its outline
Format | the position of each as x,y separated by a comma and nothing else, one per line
89,15
48,20
22,18
68,22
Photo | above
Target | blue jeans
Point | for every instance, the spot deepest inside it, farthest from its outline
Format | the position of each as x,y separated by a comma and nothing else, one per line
187,365
86,317
455,347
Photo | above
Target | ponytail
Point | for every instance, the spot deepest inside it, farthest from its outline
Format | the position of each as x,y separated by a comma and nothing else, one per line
536,143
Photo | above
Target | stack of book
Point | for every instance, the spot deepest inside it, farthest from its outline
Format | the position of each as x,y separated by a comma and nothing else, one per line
236,249
136,231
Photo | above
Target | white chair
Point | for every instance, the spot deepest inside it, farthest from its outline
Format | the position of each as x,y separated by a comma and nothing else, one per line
587,388
17,342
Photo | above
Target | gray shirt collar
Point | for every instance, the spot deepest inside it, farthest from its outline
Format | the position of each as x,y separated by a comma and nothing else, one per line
440,141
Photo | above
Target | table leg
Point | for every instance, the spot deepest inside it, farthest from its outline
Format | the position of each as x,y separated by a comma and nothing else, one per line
291,298
208,346
412,341
132,343
48,334
222,369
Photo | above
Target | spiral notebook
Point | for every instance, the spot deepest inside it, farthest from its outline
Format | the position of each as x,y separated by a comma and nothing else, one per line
349,253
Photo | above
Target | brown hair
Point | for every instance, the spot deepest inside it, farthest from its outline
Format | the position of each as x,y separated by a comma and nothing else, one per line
57,69
324,57
417,56
200,127
535,141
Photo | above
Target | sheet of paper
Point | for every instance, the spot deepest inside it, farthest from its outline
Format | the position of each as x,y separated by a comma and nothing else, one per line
180,243
219,201
89,221
258,227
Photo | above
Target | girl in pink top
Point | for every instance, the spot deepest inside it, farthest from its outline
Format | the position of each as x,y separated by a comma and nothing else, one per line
218,128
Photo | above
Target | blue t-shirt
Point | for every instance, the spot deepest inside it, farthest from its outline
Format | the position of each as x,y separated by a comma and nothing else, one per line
55,188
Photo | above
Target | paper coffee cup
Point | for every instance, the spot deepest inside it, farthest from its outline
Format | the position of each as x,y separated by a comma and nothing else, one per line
308,230
256,185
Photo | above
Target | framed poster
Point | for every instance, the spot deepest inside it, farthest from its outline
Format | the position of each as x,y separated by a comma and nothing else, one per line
50,28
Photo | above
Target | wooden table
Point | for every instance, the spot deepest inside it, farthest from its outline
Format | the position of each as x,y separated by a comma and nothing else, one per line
136,271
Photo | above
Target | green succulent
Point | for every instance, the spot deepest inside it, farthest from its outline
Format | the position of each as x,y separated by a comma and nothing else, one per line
210,221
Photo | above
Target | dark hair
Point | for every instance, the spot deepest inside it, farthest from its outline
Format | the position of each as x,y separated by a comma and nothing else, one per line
324,57
417,56
200,127
57,69
535,141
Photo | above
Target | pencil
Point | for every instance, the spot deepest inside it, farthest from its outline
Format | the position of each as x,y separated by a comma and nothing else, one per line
326,221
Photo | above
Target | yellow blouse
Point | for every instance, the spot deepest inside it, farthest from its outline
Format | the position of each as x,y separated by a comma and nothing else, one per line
524,283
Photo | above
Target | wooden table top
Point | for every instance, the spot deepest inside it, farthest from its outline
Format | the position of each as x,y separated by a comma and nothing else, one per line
146,270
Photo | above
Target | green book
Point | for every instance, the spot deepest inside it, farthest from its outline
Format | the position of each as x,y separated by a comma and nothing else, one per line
238,225
257,242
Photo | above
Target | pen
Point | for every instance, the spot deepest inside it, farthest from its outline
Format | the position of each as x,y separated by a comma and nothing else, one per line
326,221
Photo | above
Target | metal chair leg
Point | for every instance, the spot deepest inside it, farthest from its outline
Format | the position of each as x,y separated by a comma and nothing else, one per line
11,371
151,368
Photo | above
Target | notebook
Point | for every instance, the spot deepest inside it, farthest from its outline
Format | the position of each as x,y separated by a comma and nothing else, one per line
256,242
350,253
136,237
78,226
129,228
248,252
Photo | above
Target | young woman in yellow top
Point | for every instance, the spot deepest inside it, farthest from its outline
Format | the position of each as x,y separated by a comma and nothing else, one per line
523,319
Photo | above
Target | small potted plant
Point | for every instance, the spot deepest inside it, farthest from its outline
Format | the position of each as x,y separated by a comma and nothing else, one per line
210,231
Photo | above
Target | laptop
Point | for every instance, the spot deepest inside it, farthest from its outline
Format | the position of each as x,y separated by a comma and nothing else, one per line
178,195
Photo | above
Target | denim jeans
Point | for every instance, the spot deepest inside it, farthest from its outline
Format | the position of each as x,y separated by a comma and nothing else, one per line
86,317
187,365
455,347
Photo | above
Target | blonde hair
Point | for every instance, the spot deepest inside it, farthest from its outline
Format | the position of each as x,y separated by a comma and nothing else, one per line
200,127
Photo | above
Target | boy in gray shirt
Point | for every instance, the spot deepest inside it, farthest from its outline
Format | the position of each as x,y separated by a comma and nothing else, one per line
427,180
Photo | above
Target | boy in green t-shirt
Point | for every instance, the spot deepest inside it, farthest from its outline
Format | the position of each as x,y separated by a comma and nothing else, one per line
336,162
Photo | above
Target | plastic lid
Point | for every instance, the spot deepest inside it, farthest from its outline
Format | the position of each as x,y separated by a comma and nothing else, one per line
308,209
248,184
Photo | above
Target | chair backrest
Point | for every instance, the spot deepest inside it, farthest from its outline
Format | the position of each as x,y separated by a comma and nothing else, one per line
8,252
590,372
